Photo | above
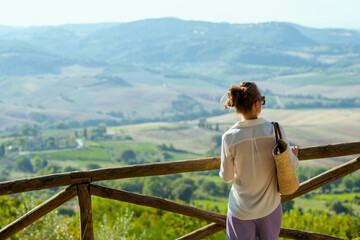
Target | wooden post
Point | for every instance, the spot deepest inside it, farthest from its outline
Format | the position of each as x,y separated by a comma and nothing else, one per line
44,208
86,221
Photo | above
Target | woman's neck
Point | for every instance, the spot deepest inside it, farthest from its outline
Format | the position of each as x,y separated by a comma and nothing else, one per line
249,117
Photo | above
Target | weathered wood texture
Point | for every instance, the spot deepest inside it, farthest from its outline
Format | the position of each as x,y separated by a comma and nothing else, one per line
63,179
38,212
328,151
86,220
38,183
155,169
203,232
324,178
297,234
158,203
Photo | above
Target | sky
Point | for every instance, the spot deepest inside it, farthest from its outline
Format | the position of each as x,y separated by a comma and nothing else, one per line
312,13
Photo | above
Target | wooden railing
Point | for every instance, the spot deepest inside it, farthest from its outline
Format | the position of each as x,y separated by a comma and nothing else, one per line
80,185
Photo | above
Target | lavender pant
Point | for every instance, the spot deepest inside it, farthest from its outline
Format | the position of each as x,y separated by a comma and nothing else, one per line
266,228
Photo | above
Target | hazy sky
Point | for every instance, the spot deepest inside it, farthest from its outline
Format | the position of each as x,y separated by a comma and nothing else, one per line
314,13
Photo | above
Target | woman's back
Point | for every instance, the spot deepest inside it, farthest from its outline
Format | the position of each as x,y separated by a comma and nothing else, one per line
248,161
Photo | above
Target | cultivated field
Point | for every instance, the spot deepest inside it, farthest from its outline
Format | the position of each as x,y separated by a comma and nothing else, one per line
303,128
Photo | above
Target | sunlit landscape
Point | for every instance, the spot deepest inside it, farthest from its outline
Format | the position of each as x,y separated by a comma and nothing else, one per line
79,97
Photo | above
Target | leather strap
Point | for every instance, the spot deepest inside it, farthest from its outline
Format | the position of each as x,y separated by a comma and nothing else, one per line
277,131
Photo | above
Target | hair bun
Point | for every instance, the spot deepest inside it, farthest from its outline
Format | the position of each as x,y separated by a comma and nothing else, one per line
242,96
234,95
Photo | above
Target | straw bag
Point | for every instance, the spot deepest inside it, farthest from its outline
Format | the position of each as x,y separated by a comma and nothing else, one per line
287,181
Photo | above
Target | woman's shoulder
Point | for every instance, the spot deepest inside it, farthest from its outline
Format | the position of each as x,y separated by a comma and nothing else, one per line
230,132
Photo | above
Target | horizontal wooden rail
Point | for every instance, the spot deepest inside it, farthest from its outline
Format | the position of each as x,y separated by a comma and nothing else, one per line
158,203
203,232
154,169
142,170
299,234
329,151
38,212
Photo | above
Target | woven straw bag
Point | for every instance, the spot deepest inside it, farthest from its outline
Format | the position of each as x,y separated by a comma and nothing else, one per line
287,181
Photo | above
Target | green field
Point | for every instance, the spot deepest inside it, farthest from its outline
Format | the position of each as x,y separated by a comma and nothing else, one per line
342,197
98,152
90,153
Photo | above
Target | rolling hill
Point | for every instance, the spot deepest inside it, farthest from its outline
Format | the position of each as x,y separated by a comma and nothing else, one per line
177,41
169,69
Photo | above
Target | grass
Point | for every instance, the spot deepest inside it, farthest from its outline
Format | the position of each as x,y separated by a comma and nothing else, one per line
146,147
307,204
96,152
220,203
89,153
183,156
341,197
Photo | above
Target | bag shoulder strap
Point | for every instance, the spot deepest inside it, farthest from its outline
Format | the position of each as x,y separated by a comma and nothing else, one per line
277,131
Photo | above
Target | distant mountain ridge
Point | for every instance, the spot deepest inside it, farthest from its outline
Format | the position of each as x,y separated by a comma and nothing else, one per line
166,40
169,70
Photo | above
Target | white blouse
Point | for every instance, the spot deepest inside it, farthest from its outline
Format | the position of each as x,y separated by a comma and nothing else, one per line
246,158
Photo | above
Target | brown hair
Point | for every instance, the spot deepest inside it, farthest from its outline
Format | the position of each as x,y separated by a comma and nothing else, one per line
242,97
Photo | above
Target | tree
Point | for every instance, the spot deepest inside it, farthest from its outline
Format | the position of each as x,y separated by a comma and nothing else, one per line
183,192
357,182
210,188
101,129
2,150
4,174
128,156
288,206
70,169
39,163
51,169
50,142
217,139
154,187
27,130
337,206
181,181
85,133
348,183
167,156
62,125
302,177
326,188
92,166
23,164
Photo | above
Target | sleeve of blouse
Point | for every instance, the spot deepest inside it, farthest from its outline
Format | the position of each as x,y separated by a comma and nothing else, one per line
294,159
227,162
